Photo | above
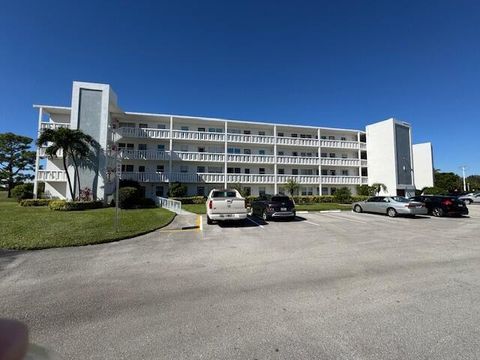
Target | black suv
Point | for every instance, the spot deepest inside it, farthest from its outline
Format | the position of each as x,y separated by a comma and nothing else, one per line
273,206
442,205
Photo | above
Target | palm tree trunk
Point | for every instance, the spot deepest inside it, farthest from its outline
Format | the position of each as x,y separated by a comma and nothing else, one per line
68,176
76,177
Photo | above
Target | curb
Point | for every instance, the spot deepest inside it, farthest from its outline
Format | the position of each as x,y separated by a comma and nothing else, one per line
320,211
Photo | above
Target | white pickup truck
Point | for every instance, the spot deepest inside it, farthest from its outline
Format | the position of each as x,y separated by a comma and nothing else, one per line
224,205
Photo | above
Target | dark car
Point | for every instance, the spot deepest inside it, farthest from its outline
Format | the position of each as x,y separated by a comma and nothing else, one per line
442,205
273,206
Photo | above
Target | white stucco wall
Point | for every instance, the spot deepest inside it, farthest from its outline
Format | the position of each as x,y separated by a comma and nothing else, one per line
423,165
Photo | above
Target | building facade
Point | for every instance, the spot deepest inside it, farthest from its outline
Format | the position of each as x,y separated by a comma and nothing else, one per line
204,153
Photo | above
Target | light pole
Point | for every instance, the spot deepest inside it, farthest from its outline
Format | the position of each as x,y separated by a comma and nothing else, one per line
463,175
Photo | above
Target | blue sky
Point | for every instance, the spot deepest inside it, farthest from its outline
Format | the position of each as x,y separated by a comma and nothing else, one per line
326,63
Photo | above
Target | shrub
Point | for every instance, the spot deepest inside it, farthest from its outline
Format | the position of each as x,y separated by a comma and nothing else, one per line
145,203
356,198
434,191
128,197
63,205
191,199
177,190
23,191
35,202
343,195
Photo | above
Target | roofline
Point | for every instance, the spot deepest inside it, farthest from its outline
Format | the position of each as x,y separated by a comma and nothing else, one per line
242,121
38,106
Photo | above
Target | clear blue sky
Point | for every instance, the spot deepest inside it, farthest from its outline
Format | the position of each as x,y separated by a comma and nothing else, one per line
326,63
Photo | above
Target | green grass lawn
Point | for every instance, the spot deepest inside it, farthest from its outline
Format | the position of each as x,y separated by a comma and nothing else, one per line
39,227
200,208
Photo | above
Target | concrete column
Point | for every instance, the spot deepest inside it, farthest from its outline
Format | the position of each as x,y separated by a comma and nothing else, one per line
359,158
319,163
225,154
37,157
275,185
171,151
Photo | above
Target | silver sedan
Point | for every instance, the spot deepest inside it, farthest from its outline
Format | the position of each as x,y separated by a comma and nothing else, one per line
390,205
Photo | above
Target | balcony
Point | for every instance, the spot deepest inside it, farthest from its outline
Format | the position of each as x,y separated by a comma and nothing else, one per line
250,139
299,179
342,144
51,175
297,160
340,162
143,133
198,135
198,156
144,155
293,141
42,152
341,180
248,158
53,125
144,176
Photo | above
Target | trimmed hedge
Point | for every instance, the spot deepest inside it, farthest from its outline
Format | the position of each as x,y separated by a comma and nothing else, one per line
191,199
63,205
35,202
23,191
128,197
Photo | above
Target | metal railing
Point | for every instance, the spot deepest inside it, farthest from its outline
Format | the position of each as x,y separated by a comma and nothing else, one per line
51,175
169,204
53,125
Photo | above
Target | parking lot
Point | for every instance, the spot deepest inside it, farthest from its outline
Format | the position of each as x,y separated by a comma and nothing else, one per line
326,286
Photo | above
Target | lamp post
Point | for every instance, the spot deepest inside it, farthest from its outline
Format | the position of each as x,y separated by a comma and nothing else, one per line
463,167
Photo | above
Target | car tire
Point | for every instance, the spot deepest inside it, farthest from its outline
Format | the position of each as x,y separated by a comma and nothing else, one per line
357,209
250,212
264,215
468,201
209,221
437,212
391,212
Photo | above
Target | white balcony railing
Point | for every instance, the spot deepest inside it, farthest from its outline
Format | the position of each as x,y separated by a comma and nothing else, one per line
251,139
51,175
340,162
300,179
342,144
144,155
297,160
42,152
170,204
251,178
144,176
53,125
198,156
248,158
341,180
197,135
297,141
144,132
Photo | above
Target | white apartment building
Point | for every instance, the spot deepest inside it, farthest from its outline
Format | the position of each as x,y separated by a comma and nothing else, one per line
206,153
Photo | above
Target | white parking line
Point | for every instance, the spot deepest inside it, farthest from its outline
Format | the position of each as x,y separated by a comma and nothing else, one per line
340,217
312,223
255,222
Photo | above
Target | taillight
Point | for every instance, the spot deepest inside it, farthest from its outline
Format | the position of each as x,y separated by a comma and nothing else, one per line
447,202
210,204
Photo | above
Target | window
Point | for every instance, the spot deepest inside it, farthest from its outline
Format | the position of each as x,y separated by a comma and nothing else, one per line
323,137
160,168
294,171
247,171
280,134
233,150
333,172
261,191
332,155
184,128
160,147
324,154
331,137
306,172
141,168
233,170
200,169
281,153
261,170
142,146
294,153
261,133
127,168
159,191
121,145
218,130
261,152
333,190
247,132
247,151
294,135
324,172
184,148
303,154
237,170
128,125
200,190
201,129
143,126
234,131
324,191
309,154
344,156
343,138
345,172
184,169
201,149
307,191
215,169
130,146
161,126
281,171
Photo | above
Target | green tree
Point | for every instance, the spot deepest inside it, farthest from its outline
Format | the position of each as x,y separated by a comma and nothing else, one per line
448,181
177,190
292,187
365,190
473,182
76,147
16,160
343,195
377,187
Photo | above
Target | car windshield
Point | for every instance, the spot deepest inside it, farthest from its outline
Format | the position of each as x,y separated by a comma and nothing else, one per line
400,199
217,194
280,198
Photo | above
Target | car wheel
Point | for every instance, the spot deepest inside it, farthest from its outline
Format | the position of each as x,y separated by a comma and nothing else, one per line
357,209
391,212
437,212
468,201
250,212
264,215
209,221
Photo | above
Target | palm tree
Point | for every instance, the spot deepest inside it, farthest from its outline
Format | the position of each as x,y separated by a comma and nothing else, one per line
379,187
292,186
75,146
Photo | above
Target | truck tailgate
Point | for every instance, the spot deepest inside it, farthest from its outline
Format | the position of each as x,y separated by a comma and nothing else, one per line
228,206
